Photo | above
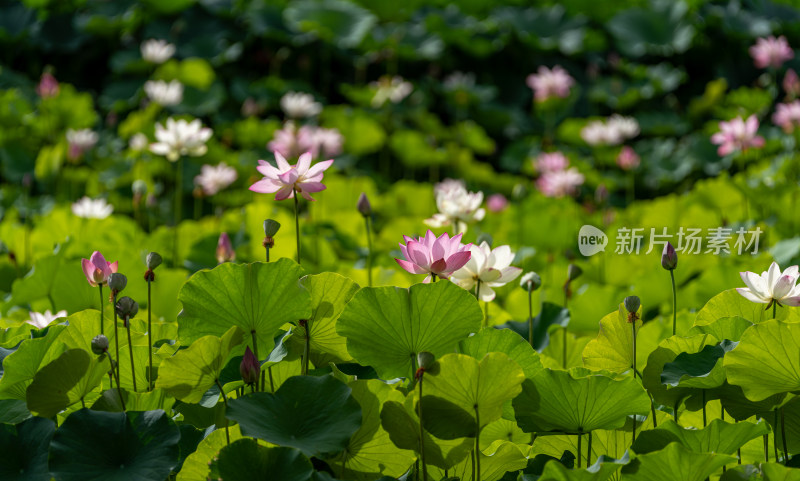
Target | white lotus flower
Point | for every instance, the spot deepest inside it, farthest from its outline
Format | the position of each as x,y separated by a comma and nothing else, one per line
456,205
83,139
164,93
772,286
615,130
138,142
299,105
42,320
157,51
92,209
179,138
492,267
214,178
392,89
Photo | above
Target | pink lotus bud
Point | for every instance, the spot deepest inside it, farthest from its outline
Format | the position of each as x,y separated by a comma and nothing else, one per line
48,86
249,367
791,84
669,258
225,252
497,202
363,205
627,158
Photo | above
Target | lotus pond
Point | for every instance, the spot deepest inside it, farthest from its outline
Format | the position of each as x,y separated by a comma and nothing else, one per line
320,240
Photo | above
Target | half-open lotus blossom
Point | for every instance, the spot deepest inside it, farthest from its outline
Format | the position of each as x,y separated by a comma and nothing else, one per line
628,159
456,205
97,269
214,178
225,252
439,256
772,286
88,208
492,267
157,51
286,179
180,137
771,52
787,116
48,86
737,134
41,320
548,83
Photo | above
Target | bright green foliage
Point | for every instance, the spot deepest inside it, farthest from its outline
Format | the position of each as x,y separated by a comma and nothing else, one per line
613,348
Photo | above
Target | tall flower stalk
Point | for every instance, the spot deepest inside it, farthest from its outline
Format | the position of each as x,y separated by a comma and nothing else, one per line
632,304
100,347
116,282
530,282
153,260
365,209
669,261
270,229
127,308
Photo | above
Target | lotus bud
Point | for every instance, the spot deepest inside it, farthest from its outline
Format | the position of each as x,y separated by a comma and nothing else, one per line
425,359
117,282
270,229
126,308
225,252
153,260
669,258
530,281
363,205
99,344
573,272
249,368
632,303
484,238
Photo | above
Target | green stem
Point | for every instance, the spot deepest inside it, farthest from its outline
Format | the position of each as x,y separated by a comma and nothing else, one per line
102,310
704,407
783,438
116,376
477,445
633,329
433,277
267,249
116,332
52,302
225,401
766,448
307,348
297,223
530,317
178,207
775,434
130,348
149,340
421,431
774,309
589,451
564,348
485,314
255,352
271,382
653,410
580,436
674,302
369,249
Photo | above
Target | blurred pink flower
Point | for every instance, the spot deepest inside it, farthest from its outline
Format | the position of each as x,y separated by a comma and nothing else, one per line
80,141
628,159
214,178
439,256
497,202
791,83
771,52
48,86
737,134
456,205
290,142
549,83
550,162
787,116
286,179
225,252
560,183
97,269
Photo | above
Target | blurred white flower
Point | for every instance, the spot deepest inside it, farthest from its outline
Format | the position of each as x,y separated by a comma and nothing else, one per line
214,178
299,105
560,183
42,320
492,267
164,93
92,209
615,130
180,137
456,205
157,51
138,142
392,89
80,141
548,83
459,81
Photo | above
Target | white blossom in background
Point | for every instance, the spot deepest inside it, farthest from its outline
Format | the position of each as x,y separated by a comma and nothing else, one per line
157,51
457,206
324,142
299,105
560,183
613,131
214,178
164,93
392,89
180,137
459,81
492,267
88,208
548,83
41,320
138,142
80,141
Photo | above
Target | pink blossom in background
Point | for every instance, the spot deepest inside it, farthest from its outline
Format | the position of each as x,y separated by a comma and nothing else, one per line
787,116
791,83
290,141
550,162
548,83
560,183
627,158
771,52
48,86
97,269
286,179
439,256
497,202
225,252
214,178
737,134
80,141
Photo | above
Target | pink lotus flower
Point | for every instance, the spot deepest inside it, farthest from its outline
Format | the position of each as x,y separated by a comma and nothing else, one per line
771,52
497,202
791,84
225,252
772,286
628,158
287,179
290,142
737,134
551,162
48,86
97,269
438,256
549,83
560,183
787,116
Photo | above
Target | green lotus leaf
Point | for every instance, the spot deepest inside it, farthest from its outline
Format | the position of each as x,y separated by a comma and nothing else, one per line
191,372
24,449
507,342
612,443
739,407
386,327
603,469
316,415
100,446
245,460
134,401
578,401
549,318
196,465
498,459
258,297
21,366
718,437
674,462
767,360
552,356
748,472
613,348
730,303
778,472
730,328
667,351
64,381
370,452
700,369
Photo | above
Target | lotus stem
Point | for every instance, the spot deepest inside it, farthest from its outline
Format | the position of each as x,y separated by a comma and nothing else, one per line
225,401
564,346
580,436
674,302
130,348
530,317
149,340
102,310
775,435
589,451
704,407
783,438
477,445
307,349
116,332
367,226
178,208
421,431
116,376
296,223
